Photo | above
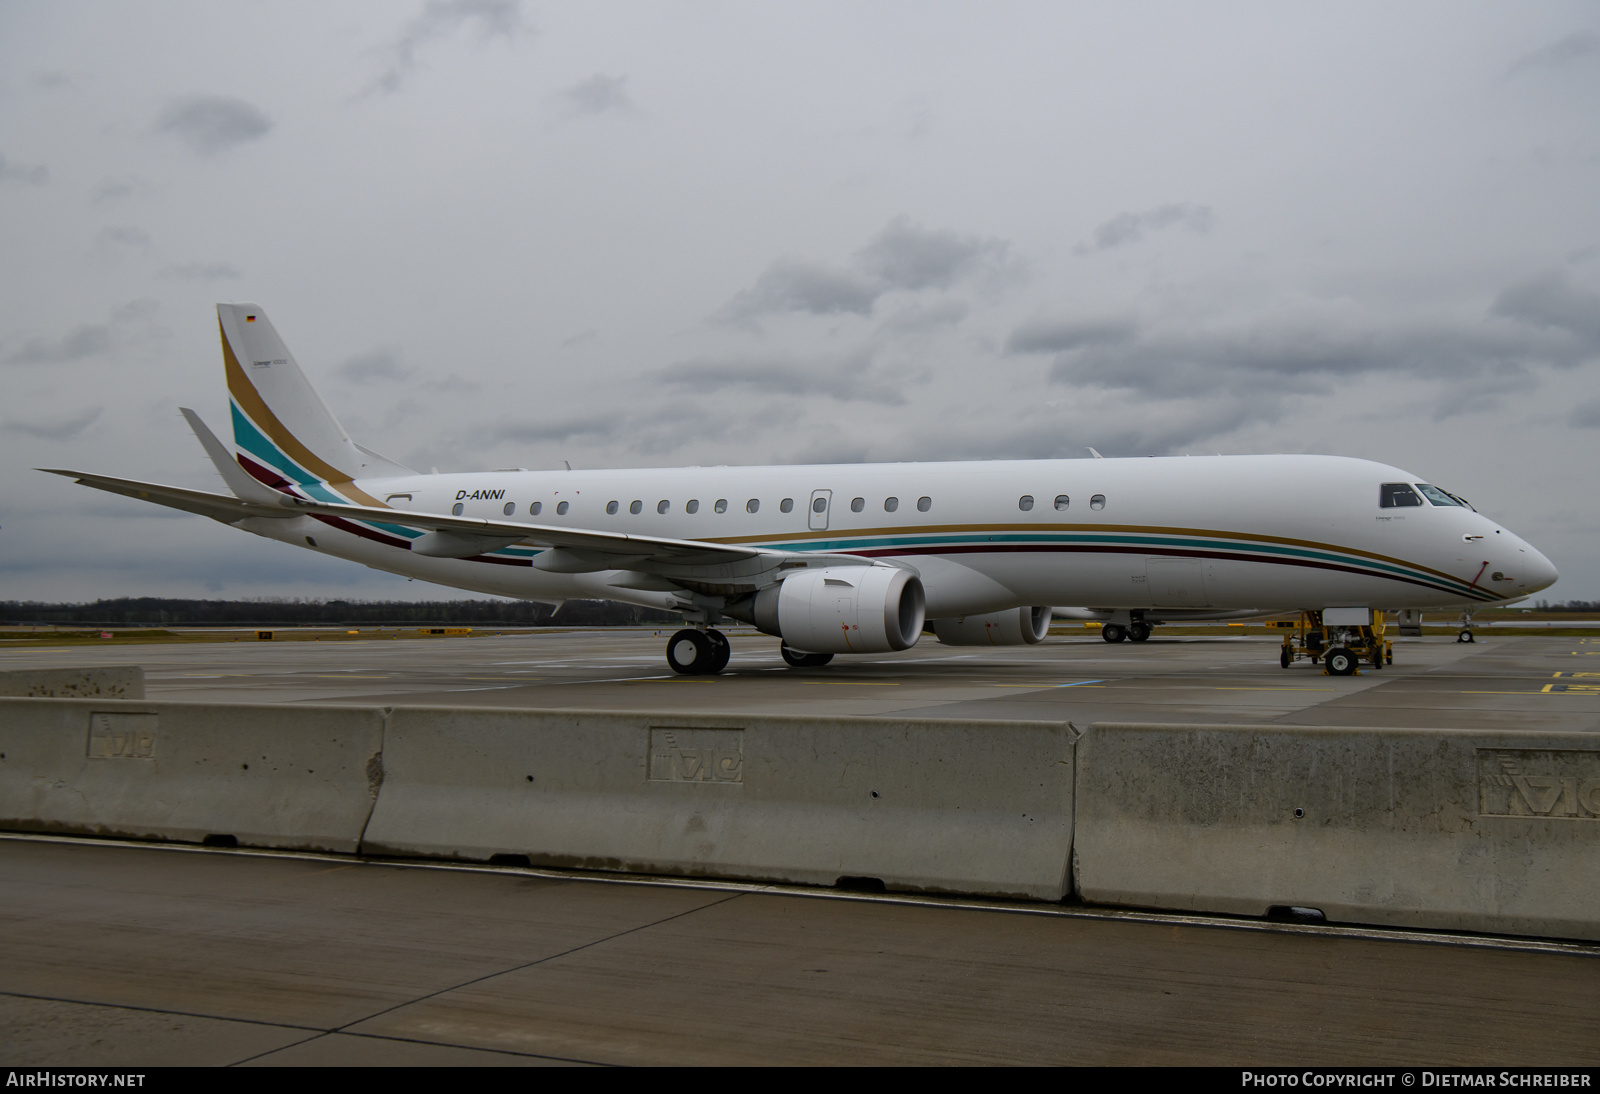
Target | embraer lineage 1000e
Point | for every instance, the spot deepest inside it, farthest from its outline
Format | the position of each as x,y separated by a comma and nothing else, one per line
852,558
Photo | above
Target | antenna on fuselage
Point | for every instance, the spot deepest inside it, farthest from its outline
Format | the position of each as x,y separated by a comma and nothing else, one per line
1095,454
569,466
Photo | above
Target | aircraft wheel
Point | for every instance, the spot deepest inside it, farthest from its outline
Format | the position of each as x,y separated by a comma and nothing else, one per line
1139,631
691,652
799,660
1465,636
1341,662
723,650
1113,632
1286,657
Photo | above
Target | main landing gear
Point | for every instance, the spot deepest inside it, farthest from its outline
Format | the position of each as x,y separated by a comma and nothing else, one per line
696,652
1137,631
798,660
693,652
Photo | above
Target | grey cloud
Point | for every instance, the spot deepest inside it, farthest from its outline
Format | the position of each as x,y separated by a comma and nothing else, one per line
1576,47
903,256
789,285
61,429
113,189
439,19
1271,362
200,271
211,124
597,95
1586,415
1058,336
847,380
128,323
561,430
918,319
1554,300
906,256
1126,228
34,175
375,364
119,236
51,79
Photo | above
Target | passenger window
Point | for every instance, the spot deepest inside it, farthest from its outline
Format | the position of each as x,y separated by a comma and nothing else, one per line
786,505
752,505
509,508
1397,495
1097,502
561,509
1062,501
455,510
857,504
890,504
1437,496
636,507
611,508
692,506
924,503
663,506
535,508
1025,503
819,505
721,506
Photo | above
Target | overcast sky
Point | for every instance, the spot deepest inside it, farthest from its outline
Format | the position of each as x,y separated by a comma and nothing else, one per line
499,233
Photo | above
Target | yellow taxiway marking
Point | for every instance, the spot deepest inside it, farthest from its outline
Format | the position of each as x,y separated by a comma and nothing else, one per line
351,676
857,683
1271,689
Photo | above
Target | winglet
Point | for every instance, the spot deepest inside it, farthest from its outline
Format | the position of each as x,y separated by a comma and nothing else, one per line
238,479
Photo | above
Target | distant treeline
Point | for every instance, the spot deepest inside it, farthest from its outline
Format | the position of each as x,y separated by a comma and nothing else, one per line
155,611
1569,606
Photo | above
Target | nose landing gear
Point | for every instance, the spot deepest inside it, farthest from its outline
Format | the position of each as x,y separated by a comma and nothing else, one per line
693,652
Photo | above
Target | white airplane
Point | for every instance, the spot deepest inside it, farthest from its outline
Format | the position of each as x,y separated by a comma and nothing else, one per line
852,558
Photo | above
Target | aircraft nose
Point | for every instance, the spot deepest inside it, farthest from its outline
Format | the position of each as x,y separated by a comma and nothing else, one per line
1541,572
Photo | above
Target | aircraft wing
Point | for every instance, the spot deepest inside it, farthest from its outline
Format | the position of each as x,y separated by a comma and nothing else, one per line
576,550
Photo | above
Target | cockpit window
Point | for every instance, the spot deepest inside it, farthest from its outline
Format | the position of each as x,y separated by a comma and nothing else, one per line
1439,497
1397,495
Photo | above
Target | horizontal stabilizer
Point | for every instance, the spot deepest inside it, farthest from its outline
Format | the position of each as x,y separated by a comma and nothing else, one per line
216,506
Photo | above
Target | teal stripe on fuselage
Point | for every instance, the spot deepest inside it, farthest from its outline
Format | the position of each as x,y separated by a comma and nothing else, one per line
1126,540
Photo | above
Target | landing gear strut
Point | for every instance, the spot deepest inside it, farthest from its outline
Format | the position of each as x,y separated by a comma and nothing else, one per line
693,652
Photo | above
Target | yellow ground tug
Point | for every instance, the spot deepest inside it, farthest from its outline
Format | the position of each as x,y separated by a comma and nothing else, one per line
1340,638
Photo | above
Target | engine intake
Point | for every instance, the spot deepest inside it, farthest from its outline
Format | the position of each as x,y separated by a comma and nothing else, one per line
842,609
1016,627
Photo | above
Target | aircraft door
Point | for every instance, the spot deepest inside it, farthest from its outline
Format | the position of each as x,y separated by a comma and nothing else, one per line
817,516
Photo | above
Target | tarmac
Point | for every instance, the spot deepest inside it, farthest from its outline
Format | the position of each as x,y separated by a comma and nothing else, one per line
137,955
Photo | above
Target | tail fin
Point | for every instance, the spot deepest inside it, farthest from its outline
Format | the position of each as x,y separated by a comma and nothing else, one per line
280,423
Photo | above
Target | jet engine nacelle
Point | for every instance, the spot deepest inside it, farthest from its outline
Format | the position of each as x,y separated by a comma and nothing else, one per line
844,609
1017,627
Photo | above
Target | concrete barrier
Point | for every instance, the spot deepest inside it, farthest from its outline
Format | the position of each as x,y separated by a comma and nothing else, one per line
969,807
267,775
1468,830
119,682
